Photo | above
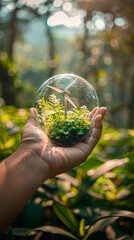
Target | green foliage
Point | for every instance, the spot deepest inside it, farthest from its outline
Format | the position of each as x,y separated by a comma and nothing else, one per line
55,102
107,220
9,65
10,85
68,131
82,203
66,216
12,121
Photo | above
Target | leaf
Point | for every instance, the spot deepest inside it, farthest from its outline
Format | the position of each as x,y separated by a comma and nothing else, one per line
49,188
92,162
100,224
68,178
81,132
66,216
22,231
55,230
82,227
126,237
131,132
123,194
104,221
106,167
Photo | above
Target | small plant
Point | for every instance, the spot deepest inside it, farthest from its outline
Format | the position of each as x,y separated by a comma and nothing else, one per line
69,132
66,131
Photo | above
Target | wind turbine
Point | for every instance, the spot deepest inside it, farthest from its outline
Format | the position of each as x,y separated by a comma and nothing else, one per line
66,95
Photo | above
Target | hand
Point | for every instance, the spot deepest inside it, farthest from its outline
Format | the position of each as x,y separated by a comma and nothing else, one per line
36,160
61,159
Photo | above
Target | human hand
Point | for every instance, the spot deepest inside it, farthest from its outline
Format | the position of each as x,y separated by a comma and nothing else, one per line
59,159
36,160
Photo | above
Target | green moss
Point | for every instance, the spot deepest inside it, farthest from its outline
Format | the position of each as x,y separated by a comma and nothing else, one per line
51,116
68,132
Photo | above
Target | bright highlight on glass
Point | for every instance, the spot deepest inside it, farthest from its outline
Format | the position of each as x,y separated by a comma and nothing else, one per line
62,106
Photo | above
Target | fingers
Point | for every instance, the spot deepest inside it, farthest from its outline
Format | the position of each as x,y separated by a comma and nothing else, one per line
92,116
31,121
97,129
92,113
82,150
96,132
96,111
102,111
93,139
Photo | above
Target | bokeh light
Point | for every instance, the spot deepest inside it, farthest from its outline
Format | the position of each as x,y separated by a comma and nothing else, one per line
61,18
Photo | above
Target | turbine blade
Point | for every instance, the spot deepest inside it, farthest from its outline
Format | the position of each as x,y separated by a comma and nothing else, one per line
69,100
70,84
56,89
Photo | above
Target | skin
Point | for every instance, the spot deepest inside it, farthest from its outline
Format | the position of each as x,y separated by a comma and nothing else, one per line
36,160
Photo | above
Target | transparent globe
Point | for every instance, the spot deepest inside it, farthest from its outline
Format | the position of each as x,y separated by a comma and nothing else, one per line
62,108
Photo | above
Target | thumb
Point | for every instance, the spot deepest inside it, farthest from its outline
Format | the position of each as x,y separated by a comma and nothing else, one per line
31,121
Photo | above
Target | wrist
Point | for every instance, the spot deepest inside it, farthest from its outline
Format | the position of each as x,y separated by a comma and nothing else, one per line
33,164
20,176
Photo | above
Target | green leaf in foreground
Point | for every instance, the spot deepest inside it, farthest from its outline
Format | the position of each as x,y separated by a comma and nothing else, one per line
66,216
104,221
55,230
23,231
91,163
82,227
106,167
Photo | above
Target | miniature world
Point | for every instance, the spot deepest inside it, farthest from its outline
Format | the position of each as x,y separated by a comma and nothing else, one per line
63,104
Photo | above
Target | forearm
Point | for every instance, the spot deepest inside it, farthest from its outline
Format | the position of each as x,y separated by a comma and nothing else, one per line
20,175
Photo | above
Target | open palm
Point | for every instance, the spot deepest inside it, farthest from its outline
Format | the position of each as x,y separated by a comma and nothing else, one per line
61,159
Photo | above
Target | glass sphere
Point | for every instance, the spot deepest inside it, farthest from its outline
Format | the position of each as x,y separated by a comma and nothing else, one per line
62,108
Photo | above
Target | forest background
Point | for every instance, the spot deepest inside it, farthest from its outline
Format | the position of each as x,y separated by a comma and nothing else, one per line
95,40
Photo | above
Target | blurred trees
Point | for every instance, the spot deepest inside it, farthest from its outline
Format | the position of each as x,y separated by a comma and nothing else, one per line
111,61
94,39
102,51
8,77
14,25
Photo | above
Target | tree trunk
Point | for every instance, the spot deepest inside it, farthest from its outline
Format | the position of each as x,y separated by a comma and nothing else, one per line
85,37
12,35
51,49
131,106
8,90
